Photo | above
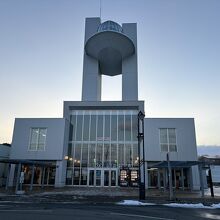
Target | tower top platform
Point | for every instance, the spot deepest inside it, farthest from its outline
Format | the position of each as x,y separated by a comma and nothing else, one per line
109,45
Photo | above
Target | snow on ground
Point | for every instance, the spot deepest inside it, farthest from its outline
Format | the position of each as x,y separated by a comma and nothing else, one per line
216,191
192,206
175,205
133,202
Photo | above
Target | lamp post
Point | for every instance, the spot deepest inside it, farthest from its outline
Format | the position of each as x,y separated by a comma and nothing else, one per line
141,155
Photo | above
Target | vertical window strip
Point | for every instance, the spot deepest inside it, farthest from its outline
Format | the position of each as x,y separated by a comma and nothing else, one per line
124,139
37,144
117,139
89,145
110,138
103,134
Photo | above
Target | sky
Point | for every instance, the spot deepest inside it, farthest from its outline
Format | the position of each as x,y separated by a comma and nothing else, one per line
41,58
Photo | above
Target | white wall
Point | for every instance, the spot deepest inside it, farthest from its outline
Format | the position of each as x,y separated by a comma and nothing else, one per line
186,139
56,135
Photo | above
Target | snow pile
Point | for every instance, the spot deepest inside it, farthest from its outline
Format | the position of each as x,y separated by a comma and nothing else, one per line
215,206
193,206
133,202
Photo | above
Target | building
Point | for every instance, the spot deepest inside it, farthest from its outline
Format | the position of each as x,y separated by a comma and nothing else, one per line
99,143
213,163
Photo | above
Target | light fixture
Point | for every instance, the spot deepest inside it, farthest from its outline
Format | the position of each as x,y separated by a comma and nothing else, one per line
66,157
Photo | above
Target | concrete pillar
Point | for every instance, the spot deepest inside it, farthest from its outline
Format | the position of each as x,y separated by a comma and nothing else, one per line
91,88
8,174
201,181
11,175
170,177
18,177
190,178
32,178
182,179
60,179
146,175
174,174
195,178
129,67
164,179
43,177
158,179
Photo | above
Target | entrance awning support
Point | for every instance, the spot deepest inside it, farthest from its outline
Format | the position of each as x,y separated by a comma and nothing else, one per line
201,180
32,178
18,177
8,174
165,179
170,177
211,183
182,179
42,183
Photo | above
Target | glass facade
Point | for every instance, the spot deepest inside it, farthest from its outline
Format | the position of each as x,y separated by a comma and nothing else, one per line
101,142
110,26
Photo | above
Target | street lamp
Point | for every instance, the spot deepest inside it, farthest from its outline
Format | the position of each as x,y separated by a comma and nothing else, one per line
141,154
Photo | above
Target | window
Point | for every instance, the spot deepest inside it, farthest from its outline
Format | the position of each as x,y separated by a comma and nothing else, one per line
168,140
38,139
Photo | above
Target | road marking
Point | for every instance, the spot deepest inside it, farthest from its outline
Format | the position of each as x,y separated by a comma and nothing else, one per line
140,216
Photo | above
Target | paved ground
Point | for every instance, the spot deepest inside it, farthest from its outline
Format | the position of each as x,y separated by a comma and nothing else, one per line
55,211
107,195
100,203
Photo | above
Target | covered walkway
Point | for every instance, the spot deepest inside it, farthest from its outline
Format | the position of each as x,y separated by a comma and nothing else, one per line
19,172
179,174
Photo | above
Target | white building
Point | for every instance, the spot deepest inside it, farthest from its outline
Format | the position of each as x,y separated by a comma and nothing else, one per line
95,143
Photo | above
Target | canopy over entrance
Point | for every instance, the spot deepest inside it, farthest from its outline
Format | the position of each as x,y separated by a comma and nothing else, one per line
176,164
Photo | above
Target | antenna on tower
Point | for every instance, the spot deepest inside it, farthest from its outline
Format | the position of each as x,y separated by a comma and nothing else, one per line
100,9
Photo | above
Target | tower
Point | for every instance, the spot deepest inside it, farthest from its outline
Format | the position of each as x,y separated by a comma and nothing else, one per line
103,144
109,49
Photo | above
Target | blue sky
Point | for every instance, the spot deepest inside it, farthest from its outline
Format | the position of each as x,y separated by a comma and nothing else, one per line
41,56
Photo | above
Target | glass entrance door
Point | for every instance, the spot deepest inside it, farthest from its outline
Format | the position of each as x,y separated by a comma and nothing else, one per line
114,178
106,177
98,177
102,177
91,178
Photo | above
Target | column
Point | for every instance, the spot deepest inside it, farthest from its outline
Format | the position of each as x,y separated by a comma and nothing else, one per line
91,87
129,67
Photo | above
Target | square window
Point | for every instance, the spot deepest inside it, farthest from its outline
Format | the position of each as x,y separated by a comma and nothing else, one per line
164,147
172,148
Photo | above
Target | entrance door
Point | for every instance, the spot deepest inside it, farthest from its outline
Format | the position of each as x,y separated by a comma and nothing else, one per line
102,177
98,177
